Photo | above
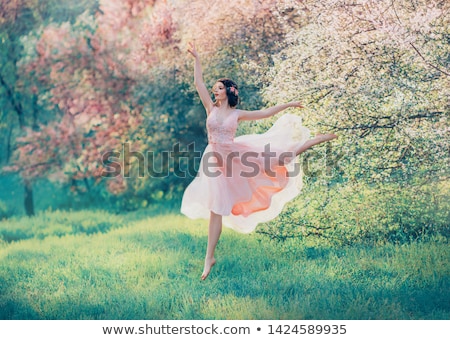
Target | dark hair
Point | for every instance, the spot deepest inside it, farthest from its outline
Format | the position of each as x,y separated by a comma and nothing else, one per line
232,91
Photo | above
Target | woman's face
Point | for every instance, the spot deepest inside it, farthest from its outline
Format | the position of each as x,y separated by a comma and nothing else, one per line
219,91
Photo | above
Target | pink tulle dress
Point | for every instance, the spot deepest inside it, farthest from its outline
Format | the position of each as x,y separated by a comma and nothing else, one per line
246,179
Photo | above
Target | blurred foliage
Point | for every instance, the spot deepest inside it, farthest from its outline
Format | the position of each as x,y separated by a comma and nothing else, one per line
59,223
5,211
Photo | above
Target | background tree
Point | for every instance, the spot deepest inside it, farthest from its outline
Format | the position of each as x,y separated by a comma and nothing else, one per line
20,107
377,71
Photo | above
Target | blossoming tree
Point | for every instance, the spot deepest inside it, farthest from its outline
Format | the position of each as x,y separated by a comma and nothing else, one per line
378,71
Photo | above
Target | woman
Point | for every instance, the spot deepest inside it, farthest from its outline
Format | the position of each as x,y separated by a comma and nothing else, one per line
245,180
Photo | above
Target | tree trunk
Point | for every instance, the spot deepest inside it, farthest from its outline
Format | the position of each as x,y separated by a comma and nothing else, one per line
8,145
28,201
28,189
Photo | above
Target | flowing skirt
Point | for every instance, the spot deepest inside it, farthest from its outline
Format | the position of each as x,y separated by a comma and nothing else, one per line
249,180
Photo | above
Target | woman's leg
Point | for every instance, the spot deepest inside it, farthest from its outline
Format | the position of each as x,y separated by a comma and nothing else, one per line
215,229
316,140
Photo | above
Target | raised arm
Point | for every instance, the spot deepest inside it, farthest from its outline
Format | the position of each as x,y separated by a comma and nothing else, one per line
198,80
265,113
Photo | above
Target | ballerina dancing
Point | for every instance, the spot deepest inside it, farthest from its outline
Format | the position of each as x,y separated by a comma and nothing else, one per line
245,180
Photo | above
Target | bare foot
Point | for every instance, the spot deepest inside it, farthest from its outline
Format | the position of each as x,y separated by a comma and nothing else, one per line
325,137
209,263
318,139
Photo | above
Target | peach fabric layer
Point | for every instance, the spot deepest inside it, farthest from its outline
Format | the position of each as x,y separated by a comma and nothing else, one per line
247,179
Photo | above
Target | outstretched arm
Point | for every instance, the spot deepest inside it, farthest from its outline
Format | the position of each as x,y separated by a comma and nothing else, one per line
265,113
198,80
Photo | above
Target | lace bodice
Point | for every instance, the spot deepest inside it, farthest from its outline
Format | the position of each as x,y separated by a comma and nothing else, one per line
221,132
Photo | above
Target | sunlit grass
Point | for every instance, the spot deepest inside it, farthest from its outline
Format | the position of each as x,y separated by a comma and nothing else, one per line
150,268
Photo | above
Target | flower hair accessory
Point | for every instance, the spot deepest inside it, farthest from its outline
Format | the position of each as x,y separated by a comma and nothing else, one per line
234,90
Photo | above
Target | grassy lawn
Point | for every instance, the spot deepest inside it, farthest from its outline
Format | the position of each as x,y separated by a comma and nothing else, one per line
96,265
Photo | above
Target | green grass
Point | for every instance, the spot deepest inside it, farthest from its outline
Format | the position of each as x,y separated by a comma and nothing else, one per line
149,268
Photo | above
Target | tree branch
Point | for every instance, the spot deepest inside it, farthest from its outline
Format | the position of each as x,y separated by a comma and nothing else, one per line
16,105
367,127
427,62
425,115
